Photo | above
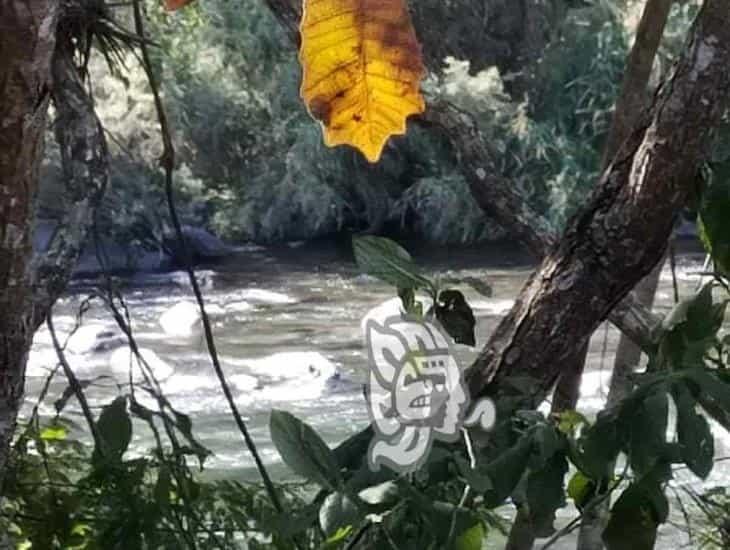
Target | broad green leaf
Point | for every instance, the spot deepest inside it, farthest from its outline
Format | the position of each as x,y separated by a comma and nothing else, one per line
386,260
338,512
548,442
505,472
598,447
581,489
303,450
471,538
711,385
696,442
115,430
714,221
648,432
185,425
690,330
635,517
456,316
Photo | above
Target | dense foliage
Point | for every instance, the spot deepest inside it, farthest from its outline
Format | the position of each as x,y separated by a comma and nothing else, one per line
253,167
252,163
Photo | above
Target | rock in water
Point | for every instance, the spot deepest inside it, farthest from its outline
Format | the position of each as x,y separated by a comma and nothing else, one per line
181,320
201,244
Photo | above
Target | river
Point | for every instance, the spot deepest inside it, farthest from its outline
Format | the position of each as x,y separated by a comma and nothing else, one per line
287,326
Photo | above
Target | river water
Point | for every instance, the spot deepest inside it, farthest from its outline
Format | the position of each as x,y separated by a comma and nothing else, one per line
287,326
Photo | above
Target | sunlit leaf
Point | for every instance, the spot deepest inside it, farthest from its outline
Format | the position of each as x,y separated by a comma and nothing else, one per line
362,68
338,512
54,433
389,262
471,538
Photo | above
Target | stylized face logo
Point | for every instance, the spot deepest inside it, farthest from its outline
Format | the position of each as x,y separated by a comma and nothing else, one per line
421,390
416,391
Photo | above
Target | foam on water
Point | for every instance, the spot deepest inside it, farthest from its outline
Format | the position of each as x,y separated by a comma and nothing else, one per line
122,358
262,296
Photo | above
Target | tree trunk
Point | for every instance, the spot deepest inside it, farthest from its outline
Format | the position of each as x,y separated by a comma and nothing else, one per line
622,232
27,37
85,173
631,102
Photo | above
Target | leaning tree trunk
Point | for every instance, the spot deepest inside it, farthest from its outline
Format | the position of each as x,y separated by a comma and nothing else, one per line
622,232
27,37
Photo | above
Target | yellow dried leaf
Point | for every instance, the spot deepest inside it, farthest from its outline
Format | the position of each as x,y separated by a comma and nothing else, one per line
362,69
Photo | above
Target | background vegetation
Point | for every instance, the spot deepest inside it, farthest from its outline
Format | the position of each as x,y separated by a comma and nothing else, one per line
252,166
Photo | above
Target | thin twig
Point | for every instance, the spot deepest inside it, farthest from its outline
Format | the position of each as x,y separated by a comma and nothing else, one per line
74,384
168,162
467,489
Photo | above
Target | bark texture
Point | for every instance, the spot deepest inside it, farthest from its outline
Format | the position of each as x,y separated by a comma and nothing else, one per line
622,231
498,198
27,38
85,173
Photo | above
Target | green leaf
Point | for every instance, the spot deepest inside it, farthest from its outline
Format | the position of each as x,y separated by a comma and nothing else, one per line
386,260
711,385
548,442
456,316
545,494
338,512
115,430
635,517
598,447
648,432
338,537
690,330
410,305
714,221
471,538
54,433
570,421
185,426
505,472
581,489
303,450
697,446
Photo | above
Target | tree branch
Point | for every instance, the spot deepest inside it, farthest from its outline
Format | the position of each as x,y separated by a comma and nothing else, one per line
623,230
